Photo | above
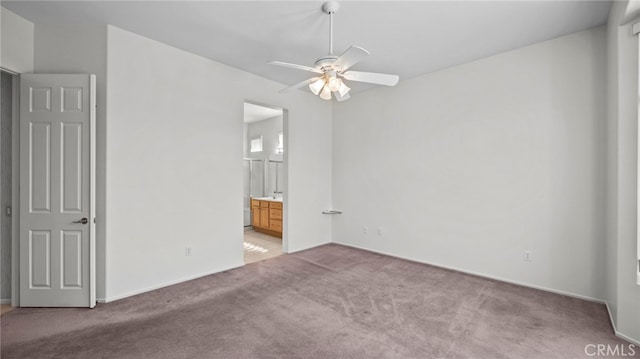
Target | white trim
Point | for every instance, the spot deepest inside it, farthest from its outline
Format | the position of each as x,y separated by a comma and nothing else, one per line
184,279
5,301
550,290
92,191
615,330
307,247
11,72
15,201
163,285
636,29
624,337
484,275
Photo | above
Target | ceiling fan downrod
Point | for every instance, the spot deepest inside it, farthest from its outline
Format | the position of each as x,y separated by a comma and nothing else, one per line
330,7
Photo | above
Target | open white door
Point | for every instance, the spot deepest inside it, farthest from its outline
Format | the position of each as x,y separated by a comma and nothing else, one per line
57,177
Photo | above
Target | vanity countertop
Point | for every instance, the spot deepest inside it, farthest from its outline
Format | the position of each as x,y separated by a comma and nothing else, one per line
271,199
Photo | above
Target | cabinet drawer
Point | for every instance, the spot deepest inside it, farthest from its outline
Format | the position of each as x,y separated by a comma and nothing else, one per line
275,225
275,214
264,204
255,203
276,205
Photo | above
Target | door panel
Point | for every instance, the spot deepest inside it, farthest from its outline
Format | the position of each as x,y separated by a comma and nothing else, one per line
71,167
40,259
72,259
40,167
57,121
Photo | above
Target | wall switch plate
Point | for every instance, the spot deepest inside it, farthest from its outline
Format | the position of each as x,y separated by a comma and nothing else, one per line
380,231
527,256
187,251
364,230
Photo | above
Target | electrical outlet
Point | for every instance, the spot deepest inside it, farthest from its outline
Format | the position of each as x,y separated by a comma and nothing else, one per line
187,251
527,256
364,230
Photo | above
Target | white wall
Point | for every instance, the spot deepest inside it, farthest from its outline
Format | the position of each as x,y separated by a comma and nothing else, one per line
16,42
82,49
472,166
174,169
622,295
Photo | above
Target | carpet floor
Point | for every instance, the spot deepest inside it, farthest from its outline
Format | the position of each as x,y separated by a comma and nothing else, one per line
327,302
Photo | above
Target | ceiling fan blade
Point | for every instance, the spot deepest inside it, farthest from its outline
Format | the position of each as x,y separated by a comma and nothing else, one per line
372,78
298,85
341,98
296,66
352,56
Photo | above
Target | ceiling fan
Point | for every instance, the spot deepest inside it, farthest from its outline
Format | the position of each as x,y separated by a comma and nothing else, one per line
331,69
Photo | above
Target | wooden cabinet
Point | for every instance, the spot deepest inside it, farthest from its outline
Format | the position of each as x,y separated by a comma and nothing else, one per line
267,216
255,213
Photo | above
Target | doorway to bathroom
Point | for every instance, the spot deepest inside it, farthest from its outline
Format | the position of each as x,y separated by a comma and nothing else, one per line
264,182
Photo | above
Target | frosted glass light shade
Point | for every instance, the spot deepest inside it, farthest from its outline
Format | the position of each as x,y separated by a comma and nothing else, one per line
325,94
316,86
334,84
344,89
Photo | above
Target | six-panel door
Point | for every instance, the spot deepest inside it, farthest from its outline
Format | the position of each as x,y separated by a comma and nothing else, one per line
55,195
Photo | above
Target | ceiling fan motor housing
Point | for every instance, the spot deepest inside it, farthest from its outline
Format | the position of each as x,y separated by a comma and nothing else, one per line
324,63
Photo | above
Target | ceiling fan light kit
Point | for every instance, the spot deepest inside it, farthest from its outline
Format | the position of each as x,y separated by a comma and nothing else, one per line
332,69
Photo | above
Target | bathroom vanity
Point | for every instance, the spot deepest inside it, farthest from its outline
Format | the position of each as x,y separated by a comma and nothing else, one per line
266,215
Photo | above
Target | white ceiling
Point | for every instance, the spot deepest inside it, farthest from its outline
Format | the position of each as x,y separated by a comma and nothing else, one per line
255,113
408,38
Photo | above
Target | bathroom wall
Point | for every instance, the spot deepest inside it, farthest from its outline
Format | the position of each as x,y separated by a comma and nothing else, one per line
269,129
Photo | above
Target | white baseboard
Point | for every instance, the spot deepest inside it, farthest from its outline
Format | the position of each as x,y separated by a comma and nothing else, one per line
5,301
483,275
308,247
615,330
568,294
162,285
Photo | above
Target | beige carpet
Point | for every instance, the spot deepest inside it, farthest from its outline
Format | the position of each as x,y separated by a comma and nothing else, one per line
328,302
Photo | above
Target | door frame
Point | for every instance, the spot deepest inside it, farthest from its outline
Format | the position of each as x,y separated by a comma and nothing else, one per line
15,200
285,169
15,186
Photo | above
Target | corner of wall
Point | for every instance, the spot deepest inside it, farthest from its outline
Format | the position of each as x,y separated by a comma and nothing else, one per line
17,42
622,295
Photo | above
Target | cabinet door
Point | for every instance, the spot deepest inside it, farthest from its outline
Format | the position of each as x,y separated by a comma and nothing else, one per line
255,217
264,217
